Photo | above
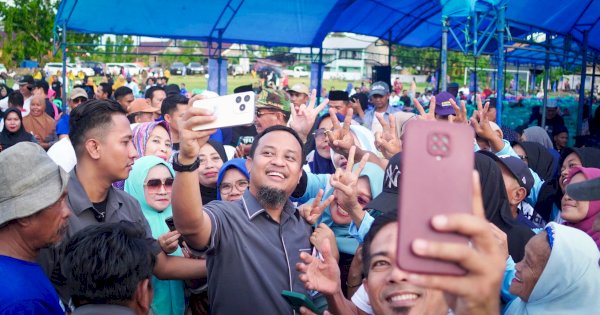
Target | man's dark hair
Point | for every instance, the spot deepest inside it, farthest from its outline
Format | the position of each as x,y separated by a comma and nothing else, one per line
150,92
106,88
103,264
277,128
93,115
15,99
165,79
379,223
169,104
122,92
43,85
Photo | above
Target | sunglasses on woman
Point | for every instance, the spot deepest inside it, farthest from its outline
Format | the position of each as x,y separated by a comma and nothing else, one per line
154,185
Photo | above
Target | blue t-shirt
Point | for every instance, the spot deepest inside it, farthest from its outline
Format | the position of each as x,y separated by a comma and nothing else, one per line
62,126
26,289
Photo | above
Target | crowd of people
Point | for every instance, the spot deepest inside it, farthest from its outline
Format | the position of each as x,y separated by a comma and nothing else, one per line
118,206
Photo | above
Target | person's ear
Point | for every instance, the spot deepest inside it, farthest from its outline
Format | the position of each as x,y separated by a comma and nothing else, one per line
93,148
142,298
520,194
168,118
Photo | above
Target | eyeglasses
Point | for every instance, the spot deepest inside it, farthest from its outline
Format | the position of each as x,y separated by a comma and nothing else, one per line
522,157
260,114
240,185
79,100
154,185
320,133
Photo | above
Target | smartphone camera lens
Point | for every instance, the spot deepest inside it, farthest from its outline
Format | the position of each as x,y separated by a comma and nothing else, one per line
444,139
434,148
242,107
247,98
435,138
238,99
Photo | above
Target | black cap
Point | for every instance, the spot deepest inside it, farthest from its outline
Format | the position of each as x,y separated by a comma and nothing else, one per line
338,96
518,169
387,200
27,79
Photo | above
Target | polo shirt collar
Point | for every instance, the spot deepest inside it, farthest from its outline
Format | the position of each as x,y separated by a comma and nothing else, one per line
253,207
79,200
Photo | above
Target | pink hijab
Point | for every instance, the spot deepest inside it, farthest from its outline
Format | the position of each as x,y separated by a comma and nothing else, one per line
594,209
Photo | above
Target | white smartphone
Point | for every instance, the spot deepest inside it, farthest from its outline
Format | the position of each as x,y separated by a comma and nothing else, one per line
230,110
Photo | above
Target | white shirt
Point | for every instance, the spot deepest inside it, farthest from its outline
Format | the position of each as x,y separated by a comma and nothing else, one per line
63,154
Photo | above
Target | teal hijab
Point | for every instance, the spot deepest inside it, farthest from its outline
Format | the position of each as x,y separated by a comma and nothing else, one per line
345,242
168,294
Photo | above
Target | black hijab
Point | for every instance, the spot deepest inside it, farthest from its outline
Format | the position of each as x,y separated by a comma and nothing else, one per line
7,138
209,194
497,208
539,159
551,193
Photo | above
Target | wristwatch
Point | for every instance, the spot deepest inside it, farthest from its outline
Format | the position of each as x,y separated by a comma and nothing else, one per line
184,168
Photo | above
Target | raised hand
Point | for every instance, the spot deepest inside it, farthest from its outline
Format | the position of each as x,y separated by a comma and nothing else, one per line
320,275
304,118
322,233
422,114
191,140
168,241
387,141
461,112
311,212
344,181
477,292
340,138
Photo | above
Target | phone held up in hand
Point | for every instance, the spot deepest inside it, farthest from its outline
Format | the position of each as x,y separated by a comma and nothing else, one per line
230,110
171,224
436,178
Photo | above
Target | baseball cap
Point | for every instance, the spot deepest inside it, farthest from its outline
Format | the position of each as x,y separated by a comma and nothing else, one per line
338,96
140,105
299,88
78,92
551,103
27,79
379,88
273,99
30,181
443,107
387,200
518,169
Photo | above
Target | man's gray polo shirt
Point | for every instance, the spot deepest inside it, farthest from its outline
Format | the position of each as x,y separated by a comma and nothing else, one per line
120,206
251,258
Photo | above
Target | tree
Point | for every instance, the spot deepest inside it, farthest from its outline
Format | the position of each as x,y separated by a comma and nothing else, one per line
28,25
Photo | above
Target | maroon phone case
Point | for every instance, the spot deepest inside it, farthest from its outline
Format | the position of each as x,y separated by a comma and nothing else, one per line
436,178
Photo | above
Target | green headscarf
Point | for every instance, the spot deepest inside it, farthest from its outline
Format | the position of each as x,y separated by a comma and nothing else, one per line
168,294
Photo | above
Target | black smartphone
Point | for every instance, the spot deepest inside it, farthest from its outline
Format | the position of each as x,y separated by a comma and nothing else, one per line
171,224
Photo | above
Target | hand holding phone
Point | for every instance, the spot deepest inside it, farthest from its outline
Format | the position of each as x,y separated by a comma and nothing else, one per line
296,300
230,110
437,167
171,224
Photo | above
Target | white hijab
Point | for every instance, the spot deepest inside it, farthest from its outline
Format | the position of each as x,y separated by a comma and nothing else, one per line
570,282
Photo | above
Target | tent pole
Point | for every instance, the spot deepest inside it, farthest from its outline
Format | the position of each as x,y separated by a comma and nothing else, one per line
444,59
475,79
586,34
219,60
592,90
500,24
517,78
546,79
64,65
390,52
320,74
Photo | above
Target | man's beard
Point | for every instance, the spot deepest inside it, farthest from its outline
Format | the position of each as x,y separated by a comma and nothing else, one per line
271,197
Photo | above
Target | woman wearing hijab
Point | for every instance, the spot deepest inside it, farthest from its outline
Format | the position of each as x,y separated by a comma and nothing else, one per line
539,135
151,139
497,207
150,182
551,193
212,156
321,162
14,131
581,214
38,123
233,180
559,275
538,158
